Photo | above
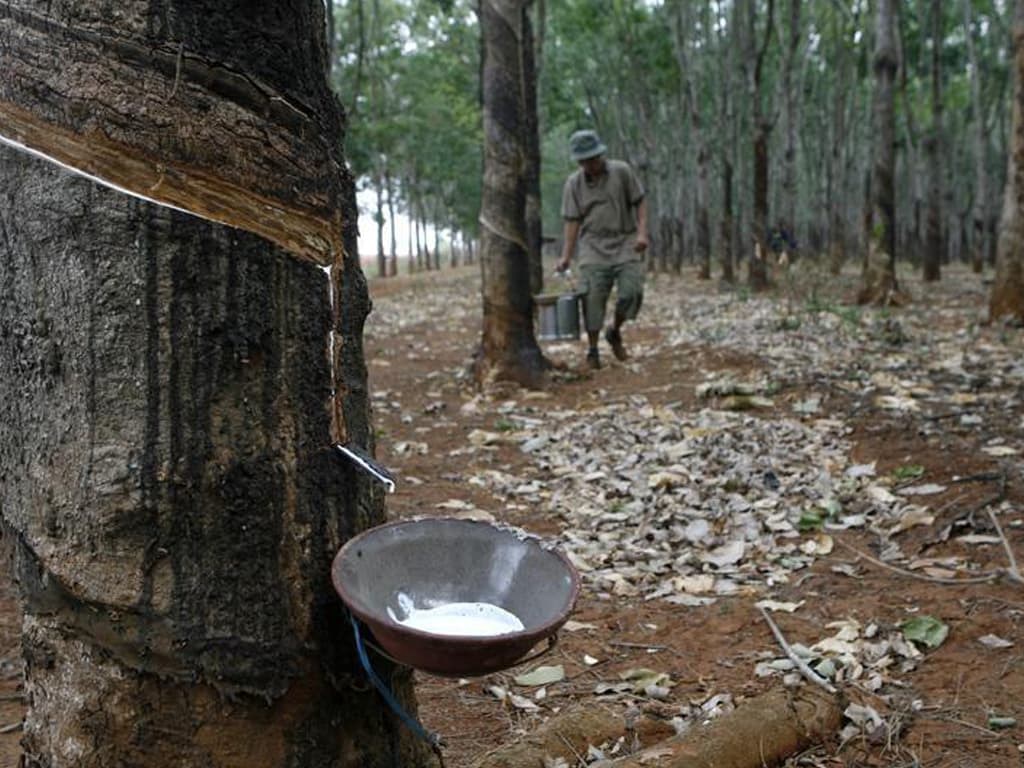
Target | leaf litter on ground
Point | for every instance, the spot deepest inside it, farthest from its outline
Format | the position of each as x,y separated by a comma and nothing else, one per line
736,497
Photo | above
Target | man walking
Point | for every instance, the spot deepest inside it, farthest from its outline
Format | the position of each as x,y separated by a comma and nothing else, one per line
606,224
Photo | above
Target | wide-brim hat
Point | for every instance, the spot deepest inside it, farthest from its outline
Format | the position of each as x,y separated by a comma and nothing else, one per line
586,144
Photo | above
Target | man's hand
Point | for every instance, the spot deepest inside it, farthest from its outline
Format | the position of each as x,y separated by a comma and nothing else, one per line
563,264
641,244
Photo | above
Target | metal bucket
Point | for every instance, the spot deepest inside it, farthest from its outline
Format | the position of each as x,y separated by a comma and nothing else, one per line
558,316
444,560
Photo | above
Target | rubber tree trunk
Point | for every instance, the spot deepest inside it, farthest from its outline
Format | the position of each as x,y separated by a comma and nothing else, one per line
837,157
728,149
210,108
531,144
508,349
934,240
791,116
683,23
762,127
728,273
393,250
382,259
880,286
1007,299
167,400
979,214
169,484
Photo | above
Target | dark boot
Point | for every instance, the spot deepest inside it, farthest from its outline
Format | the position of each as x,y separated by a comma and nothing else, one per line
613,337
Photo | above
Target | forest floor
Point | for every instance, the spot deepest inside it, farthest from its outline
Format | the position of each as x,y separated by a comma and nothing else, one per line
837,465
751,449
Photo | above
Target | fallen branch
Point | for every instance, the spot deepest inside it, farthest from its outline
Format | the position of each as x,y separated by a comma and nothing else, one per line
965,724
11,727
1013,572
802,665
986,578
988,501
762,731
978,477
567,735
575,752
641,646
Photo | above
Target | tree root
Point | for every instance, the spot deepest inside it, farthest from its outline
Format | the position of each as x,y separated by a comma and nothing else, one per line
761,732
568,734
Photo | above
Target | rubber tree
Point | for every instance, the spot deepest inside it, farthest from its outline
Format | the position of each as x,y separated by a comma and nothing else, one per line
791,104
508,349
880,284
1007,298
168,403
935,152
763,121
979,210
682,28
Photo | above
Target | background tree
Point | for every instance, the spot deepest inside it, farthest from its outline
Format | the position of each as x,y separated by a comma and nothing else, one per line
935,152
689,125
167,409
979,211
791,86
683,27
763,122
508,348
1007,299
880,274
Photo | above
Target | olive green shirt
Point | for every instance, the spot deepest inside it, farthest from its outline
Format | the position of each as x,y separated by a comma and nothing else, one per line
606,210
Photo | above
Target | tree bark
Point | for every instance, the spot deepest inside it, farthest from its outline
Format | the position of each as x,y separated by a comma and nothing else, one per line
684,21
378,220
728,273
390,187
168,478
531,145
728,126
934,241
1007,298
168,101
838,175
880,286
508,349
762,128
979,236
167,414
332,44
791,112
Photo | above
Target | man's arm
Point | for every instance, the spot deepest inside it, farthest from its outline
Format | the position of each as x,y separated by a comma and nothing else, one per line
641,225
570,233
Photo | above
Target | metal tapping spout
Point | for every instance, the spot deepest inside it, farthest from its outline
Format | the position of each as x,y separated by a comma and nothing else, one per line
368,464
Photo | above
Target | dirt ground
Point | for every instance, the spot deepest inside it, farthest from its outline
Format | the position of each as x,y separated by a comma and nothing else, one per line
940,719
420,340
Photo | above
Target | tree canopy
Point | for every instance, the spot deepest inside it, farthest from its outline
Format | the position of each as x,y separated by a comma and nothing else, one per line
668,84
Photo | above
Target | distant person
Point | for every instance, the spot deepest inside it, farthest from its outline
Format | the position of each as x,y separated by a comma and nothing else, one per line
606,224
781,242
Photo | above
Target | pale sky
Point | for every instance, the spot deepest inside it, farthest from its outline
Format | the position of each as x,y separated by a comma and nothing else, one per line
368,229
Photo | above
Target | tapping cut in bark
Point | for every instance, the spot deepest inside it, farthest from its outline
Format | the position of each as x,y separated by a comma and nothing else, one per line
163,102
